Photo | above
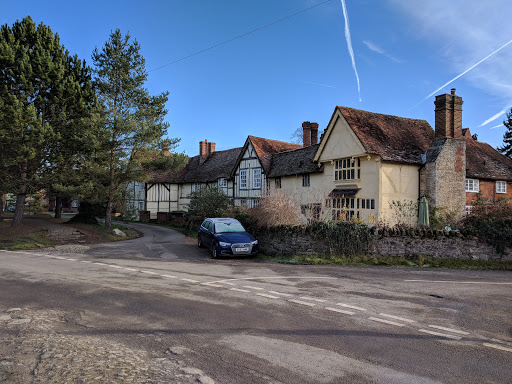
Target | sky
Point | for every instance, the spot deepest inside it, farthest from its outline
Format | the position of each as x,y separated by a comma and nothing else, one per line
384,56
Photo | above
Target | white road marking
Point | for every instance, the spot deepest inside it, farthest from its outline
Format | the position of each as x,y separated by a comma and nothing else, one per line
397,318
440,334
115,266
459,282
251,287
269,296
302,302
313,299
496,346
170,276
340,311
131,269
58,257
449,329
239,290
85,261
149,272
190,280
99,263
275,277
71,259
386,321
227,283
280,293
351,306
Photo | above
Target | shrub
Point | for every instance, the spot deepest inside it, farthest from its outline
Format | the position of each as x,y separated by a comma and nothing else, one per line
277,209
491,222
207,202
345,238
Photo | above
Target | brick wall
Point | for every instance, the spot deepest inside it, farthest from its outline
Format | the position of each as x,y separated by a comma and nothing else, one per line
487,189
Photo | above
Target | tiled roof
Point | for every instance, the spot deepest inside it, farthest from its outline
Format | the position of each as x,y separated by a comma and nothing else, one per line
294,162
219,164
393,138
265,148
485,162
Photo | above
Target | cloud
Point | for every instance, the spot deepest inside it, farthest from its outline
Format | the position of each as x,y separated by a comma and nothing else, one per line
349,46
465,32
492,118
372,47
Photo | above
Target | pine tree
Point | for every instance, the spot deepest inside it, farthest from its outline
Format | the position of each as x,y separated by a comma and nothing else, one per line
506,149
133,122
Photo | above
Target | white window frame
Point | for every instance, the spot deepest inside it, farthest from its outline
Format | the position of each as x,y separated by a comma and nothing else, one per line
501,187
222,182
472,185
243,179
256,178
196,187
347,169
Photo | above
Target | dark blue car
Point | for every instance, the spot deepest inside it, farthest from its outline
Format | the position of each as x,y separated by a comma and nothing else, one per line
226,237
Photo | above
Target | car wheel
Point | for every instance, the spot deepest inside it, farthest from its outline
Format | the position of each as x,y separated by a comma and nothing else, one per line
214,250
199,242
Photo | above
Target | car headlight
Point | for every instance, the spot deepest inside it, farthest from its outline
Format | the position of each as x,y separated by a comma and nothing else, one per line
254,242
222,244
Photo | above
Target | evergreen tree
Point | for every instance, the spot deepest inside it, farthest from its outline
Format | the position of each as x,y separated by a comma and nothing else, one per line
506,149
133,124
39,93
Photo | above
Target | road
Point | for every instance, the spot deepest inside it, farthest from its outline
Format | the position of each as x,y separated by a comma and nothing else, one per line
158,309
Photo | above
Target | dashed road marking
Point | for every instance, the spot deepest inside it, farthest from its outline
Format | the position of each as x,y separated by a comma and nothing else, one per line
302,302
340,311
71,259
397,318
58,257
269,296
313,299
149,272
449,329
386,321
458,282
226,282
131,269
251,287
351,306
239,290
99,263
496,346
115,266
280,293
170,276
440,334
85,261
190,280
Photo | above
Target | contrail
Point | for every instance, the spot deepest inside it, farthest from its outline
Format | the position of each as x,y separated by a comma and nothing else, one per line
496,126
494,117
349,45
323,85
463,73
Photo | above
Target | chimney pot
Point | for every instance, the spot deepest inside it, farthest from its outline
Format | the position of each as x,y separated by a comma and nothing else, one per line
453,91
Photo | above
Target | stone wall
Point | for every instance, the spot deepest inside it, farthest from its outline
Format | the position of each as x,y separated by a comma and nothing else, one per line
438,244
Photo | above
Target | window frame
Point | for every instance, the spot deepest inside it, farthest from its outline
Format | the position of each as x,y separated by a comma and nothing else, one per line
472,185
503,184
222,182
256,178
245,173
347,168
278,182
306,180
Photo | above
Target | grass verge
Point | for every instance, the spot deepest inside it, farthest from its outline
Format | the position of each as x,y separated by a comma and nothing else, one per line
393,261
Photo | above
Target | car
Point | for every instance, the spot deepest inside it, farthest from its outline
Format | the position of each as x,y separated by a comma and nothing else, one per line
226,237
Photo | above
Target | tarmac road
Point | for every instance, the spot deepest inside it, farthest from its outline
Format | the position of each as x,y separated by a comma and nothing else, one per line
158,309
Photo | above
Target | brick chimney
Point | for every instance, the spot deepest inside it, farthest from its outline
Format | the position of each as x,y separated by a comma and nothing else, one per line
205,150
314,133
448,115
306,134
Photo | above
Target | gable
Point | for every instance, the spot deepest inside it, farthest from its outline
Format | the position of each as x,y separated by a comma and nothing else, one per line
339,141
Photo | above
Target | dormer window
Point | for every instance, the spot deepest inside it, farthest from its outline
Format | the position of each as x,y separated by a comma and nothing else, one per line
347,169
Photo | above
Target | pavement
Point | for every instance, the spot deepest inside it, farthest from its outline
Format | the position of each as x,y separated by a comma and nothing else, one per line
158,309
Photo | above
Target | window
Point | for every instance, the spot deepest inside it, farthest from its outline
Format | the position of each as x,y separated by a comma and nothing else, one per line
501,187
243,179
468,209
278,182
74,204
256,178
141,206
305,180
196,187
254,203
472,185
222,183
347,169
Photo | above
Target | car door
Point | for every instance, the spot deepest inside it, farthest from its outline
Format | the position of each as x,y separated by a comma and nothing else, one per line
208,234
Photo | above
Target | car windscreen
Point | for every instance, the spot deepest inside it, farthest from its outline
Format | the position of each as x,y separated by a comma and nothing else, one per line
228,227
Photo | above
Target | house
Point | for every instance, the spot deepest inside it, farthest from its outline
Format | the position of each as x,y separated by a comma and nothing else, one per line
366,166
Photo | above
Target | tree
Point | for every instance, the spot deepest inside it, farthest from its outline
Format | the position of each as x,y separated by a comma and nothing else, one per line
132,121
38,93
506,149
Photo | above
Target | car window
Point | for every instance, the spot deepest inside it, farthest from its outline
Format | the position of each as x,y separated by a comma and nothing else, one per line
228,227
204,224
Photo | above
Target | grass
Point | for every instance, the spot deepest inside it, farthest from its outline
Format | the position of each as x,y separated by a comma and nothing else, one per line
393,261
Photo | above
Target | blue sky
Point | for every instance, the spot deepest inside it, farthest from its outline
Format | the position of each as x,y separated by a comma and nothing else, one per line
268,82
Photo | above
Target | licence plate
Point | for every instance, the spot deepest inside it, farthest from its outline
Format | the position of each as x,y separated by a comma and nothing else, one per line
242,249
